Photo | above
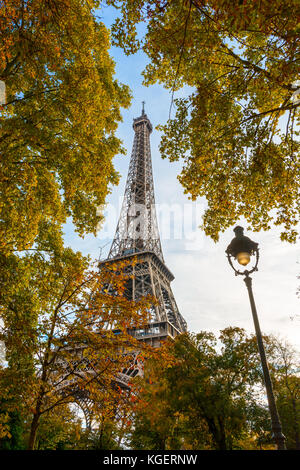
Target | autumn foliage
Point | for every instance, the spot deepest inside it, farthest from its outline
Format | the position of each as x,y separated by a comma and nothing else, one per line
236,128
66,334
57,127
211,395
66,322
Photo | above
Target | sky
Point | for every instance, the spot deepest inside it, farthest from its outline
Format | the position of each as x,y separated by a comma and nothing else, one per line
208,294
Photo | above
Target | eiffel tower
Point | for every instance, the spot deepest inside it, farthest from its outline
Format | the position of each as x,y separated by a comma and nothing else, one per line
137,237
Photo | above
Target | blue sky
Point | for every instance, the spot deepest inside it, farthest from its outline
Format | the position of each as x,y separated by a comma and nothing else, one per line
208,294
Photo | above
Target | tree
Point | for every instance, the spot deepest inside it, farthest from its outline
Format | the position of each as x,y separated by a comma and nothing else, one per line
152,424
66,333
57,127
208,398
287,389
59,429
105,437
57,142
236,130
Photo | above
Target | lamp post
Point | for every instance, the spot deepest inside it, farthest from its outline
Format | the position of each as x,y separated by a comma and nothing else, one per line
242,248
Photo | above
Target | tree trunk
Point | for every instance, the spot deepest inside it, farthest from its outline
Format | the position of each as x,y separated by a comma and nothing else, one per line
33,429
221,442
217,432
162,444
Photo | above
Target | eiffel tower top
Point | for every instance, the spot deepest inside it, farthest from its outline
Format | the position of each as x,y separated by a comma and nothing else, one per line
137,229
143,119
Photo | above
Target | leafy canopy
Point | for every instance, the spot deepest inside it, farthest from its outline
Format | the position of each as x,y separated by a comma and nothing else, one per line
206,398
57,127
236,131
66,335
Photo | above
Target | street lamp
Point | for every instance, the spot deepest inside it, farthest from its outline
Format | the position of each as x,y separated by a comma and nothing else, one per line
241,249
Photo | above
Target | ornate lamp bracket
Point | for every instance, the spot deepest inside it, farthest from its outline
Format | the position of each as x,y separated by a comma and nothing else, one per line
247,272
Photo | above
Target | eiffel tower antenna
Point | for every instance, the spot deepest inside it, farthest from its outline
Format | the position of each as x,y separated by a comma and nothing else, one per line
143,109
137,236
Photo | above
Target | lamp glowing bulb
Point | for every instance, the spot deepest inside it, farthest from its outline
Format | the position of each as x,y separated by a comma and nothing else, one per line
243,258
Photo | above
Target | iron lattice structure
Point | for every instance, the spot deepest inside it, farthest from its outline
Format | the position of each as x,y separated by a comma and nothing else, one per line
137,237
